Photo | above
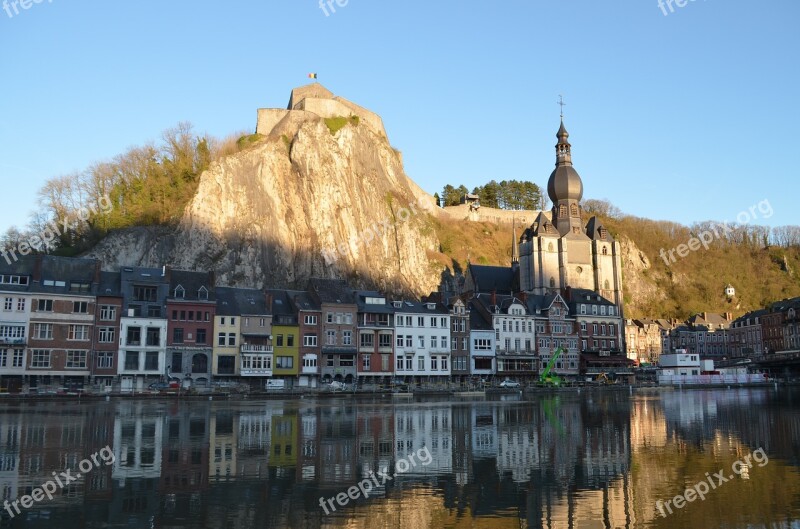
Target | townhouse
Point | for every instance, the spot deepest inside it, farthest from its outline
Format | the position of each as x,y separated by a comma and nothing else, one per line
257,355
745,335
482,344
143,328
780,326
422,342
375,338
555,328
514,335
338,329
460,346
309,320
704,334
191,309
225,353
105,344
643,340
15,290
61,322
285,339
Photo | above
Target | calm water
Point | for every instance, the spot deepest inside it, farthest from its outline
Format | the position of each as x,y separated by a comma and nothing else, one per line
599,459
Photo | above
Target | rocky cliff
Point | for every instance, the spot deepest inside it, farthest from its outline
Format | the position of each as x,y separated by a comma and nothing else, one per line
301,202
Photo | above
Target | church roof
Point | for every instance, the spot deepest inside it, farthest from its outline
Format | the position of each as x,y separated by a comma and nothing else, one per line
541,226
488,278
597,231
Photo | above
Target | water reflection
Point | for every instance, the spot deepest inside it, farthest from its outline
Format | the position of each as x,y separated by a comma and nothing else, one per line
600,459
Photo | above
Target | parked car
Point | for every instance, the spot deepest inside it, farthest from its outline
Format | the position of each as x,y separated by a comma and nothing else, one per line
510,384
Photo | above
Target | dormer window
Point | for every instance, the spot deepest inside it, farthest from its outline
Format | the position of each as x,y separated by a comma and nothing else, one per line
431,306
202,293
180,292
397,304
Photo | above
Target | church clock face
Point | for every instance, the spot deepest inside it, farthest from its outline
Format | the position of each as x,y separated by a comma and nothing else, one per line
579,270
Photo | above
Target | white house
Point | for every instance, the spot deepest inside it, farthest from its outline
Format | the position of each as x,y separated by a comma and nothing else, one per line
142,351
422,340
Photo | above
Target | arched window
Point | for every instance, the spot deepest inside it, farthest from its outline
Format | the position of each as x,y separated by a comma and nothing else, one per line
199,363
605,285
550,247
605,250
552,282
562,210
574,210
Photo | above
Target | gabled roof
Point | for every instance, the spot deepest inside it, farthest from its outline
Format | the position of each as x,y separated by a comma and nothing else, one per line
109,285
331,290
597,231
232,301
541,226
419,307
488,278
191,282
478,318
586,297
373,308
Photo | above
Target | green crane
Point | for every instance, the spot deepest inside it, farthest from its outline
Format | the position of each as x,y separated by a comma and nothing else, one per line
546,377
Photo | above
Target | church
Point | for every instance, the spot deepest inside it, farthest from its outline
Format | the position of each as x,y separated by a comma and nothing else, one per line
559,251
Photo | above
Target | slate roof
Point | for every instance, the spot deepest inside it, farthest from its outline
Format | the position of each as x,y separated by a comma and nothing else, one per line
488,278
233,301
331,290
191,283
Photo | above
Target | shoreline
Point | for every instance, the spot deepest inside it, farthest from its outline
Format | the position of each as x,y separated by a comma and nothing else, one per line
363,394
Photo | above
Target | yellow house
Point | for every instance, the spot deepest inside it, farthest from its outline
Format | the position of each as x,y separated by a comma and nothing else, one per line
285,338
227,327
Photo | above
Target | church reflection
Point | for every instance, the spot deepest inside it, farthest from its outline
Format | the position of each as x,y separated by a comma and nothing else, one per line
556,460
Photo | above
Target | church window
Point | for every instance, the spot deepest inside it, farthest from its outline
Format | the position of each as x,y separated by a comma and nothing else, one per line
605,285
552,282
573,210
562,211
550,247
605,250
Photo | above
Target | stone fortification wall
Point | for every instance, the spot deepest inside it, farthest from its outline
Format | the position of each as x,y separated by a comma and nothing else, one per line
523,218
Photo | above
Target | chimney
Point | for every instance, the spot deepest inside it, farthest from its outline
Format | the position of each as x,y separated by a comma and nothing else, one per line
37,268
97,269
494,297
166,273
268,300
212,279
524,296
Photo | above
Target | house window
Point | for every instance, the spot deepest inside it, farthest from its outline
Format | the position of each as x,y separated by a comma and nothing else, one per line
202,293
153,336
279,340
40,358
347,337
290,340
143,293
221,339
399,363
310,320
17,360
151,361
8,304
44,305
367,340
330,337
105,360
384,340
434,363
421,341
310,340
80,307
106,334
444,363
78,332
134,336
284,362
421,363
76,360
43,331
177,335
20,304
365,362
231,339
329,317
131,360
201,336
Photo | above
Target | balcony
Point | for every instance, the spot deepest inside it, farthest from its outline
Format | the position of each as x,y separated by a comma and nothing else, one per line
247,348
13,341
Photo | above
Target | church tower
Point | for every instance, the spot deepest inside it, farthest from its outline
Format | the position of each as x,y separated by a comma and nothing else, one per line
558,251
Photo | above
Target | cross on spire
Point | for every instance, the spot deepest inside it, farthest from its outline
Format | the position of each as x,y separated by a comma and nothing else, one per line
561,104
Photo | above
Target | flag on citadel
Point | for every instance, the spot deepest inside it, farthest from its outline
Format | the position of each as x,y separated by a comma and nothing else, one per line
312,76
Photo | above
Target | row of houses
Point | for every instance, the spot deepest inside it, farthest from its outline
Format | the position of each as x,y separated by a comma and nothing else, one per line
67,322
773,329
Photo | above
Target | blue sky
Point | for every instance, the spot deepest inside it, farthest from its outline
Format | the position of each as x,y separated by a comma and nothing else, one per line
684,117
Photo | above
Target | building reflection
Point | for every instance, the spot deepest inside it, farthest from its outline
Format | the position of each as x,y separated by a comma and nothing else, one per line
556,461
